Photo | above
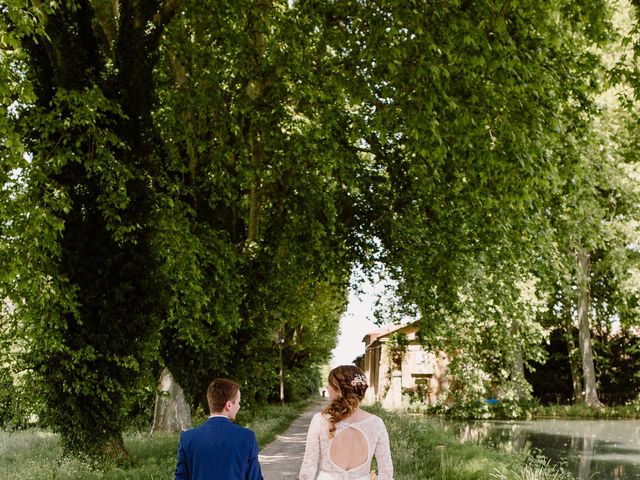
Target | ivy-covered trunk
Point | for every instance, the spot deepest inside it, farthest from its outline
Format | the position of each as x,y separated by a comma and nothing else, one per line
87,208
114,451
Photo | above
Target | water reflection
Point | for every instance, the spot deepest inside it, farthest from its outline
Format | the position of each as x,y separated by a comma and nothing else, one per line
588,449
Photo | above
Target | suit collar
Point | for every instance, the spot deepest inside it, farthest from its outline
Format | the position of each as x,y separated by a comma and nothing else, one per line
219,418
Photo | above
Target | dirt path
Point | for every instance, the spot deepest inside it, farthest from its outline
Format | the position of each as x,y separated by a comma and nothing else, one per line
281,459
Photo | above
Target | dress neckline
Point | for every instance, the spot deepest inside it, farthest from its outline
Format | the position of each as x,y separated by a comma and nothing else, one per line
358,422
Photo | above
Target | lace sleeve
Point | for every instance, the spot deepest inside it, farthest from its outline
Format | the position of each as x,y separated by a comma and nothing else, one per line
312,450
383,454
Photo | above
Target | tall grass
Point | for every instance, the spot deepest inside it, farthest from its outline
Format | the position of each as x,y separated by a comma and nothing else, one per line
531,472
422,450
36,455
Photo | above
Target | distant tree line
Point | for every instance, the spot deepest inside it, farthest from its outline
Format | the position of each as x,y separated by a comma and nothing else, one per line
617,362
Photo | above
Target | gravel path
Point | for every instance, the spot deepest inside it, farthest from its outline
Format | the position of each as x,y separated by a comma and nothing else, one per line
281,459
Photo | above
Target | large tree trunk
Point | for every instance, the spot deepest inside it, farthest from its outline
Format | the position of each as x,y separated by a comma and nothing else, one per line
253,228
588,369
574,356
172,413
115,451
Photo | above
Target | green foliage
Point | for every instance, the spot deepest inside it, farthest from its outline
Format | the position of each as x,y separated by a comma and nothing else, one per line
485,360
82,271
468,116
617,359
15,408
397,344
80,268
634,405
510,406
242,118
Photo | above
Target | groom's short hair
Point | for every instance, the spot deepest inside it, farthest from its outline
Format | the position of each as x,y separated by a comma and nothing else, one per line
221,391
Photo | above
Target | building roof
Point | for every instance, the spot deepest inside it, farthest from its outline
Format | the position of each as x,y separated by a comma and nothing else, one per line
372,337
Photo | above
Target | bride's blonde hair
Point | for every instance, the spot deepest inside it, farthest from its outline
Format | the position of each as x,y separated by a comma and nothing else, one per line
350,384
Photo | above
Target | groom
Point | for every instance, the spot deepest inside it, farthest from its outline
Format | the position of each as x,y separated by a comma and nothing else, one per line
219,449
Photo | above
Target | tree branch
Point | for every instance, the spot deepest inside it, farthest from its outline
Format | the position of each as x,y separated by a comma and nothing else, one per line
166,12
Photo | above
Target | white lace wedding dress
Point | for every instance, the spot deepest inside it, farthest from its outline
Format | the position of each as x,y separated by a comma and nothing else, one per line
317,458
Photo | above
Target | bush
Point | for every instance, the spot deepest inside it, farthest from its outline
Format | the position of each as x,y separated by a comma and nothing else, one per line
16,411
301,384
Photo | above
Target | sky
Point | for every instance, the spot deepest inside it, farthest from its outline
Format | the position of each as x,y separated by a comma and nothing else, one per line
358,319
355,323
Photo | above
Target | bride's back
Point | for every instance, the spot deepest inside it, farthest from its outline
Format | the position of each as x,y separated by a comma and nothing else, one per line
343,438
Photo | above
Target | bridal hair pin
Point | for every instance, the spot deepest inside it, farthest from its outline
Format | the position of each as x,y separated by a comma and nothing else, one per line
358,379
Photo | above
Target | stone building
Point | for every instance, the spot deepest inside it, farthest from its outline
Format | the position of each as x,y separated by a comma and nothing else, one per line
396,363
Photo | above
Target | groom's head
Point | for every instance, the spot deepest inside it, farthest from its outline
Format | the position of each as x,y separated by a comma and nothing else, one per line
223,396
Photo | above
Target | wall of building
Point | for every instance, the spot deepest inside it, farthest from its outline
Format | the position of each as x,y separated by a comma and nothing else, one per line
420,370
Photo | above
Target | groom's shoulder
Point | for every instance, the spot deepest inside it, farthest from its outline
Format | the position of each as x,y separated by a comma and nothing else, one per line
240,428
221,425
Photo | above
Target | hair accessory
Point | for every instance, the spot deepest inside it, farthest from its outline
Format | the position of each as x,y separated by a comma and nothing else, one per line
358,379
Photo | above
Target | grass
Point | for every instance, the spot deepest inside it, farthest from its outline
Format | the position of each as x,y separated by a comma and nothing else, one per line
36,455
422,450
531,473
580,411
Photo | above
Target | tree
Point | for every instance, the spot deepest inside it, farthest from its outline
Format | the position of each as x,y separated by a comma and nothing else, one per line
265,190
594,219
78,227
463,111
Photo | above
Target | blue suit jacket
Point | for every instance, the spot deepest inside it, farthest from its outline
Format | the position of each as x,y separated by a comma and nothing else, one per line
218,450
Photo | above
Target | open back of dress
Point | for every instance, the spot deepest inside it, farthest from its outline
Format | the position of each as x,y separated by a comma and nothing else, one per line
349,452
349,448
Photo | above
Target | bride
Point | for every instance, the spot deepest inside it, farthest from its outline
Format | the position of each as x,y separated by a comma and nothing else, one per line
343,439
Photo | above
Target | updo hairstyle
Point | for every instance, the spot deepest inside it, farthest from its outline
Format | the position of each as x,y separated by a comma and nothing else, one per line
350,384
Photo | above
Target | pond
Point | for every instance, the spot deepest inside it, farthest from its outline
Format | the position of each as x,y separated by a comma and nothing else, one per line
588,449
